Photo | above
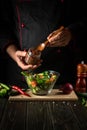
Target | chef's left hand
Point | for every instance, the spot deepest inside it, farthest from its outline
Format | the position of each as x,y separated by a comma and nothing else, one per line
18,56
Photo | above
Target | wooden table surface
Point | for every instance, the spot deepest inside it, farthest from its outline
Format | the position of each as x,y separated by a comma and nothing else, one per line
42,115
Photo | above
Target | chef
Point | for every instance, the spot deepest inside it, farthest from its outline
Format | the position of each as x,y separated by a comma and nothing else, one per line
27,23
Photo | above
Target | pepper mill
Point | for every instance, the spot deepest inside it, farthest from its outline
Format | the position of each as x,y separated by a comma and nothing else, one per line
81,83
32,56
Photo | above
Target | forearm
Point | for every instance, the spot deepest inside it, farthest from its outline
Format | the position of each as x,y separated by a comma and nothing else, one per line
11,50
78,29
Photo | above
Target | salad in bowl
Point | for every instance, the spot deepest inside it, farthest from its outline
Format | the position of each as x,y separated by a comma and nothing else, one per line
41,83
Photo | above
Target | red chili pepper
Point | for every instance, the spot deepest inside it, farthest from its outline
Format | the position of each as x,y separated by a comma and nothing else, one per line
20,90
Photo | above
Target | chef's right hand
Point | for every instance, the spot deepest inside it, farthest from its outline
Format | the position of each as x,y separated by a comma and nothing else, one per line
60,38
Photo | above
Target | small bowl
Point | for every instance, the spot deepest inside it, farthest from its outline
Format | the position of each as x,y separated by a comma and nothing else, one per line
41,83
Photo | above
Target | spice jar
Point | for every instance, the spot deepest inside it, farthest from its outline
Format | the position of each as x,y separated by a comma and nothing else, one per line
81,83
32,56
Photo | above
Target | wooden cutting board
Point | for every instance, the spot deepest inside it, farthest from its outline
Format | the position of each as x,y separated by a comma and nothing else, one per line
54,95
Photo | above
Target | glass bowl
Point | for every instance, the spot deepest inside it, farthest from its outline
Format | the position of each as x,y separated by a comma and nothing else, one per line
41,83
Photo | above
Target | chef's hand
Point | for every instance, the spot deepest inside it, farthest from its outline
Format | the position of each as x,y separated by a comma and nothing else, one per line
60,39
18,56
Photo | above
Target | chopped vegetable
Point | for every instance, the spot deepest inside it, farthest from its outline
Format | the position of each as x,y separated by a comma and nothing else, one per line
4,86
4,90
41,82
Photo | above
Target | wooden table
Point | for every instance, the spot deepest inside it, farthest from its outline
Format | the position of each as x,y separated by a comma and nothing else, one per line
42,115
